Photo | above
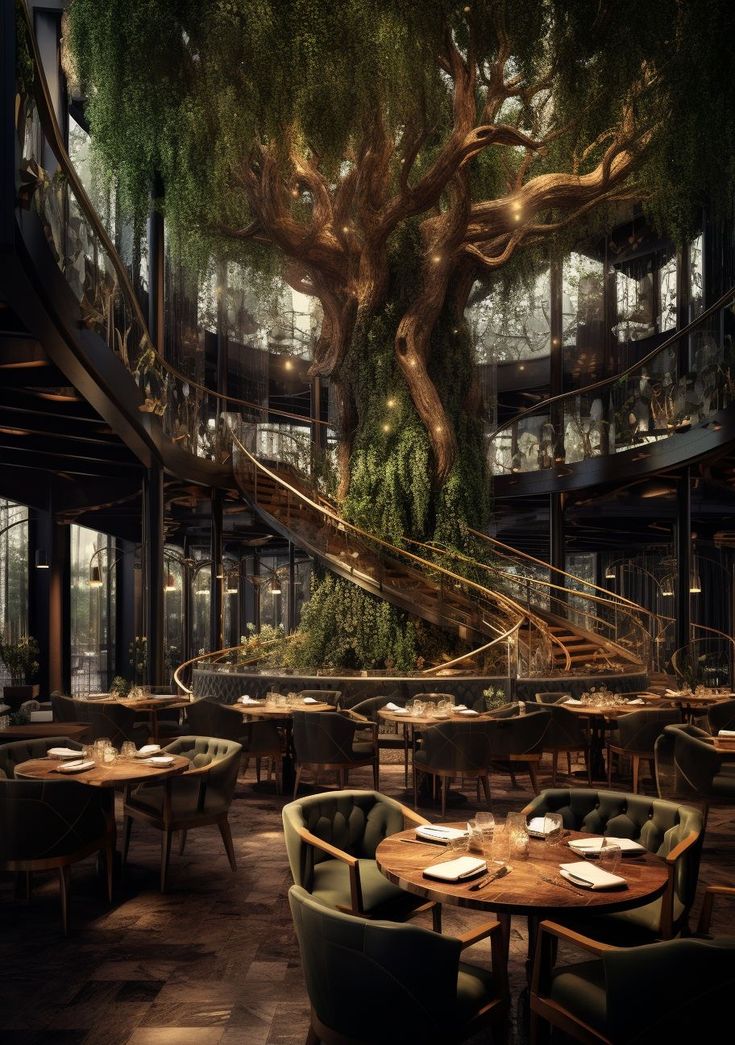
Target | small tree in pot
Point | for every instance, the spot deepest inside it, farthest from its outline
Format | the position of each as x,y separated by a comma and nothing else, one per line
21,660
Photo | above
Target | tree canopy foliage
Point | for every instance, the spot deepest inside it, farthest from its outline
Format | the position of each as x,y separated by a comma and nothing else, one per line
318,131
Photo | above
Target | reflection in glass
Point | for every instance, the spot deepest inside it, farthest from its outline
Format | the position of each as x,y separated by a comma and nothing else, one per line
510,323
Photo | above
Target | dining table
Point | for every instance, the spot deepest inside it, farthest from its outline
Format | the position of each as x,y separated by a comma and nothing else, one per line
532,888
37,730
601,717
414,724
283,714
152,707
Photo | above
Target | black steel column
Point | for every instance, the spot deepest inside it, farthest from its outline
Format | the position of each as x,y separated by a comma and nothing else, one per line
7,122
291,609
153,540
222,341
556,355
683,558
557,554
187,579
216,637
156,267
59,609
124,607
40,540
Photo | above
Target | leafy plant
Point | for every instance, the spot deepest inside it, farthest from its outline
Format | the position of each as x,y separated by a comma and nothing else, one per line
494,697
120,687
21,659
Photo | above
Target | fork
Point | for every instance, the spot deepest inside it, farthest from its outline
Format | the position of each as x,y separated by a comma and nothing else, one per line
560,882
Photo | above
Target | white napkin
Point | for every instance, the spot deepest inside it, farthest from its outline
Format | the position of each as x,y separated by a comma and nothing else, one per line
590,875
456,870
571,700
460,707
536,827
726,733
147,750
395,708
468,711
78,766
248,700
42,716
593,845
62,752
638,700
437,833
159,760
310,700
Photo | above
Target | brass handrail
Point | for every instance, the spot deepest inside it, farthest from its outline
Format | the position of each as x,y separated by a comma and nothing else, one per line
219,654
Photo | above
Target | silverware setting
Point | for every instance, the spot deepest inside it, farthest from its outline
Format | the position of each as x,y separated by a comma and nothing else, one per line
562,882
422,841
500,873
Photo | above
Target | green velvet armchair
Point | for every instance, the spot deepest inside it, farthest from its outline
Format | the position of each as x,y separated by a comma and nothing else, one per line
687,766
454,749
673,991
382,982
331,841
114,721
636,738
259,740
672,831
325,740
11,755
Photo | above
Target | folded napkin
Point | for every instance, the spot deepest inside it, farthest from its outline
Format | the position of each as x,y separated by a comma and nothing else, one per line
147,750
590,846
62,752
456,870
637,700
460,707
159,760
468,711
536,827
310,700
437,833
248,700
572,700
590,875
42,716
726,733
75,767
390,706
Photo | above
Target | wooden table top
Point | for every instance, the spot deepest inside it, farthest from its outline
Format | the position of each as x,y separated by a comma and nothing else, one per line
612,711
124,771
36,730
695,699
722,745
429,720
523,891
277,711
145,704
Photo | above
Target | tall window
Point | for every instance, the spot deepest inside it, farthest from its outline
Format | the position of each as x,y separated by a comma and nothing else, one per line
92,610
13,574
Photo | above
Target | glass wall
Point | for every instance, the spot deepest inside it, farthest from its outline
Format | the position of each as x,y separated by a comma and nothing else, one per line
510,324
92,610
13,574
174,579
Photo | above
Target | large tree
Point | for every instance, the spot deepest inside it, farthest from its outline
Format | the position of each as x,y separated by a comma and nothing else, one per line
391,153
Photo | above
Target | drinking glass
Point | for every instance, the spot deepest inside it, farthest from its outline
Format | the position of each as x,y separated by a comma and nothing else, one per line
500,845
280,700
4,721
110,755
419,708
99,748
270,700
518,836
610,855
453,848
88,753
553,828
480,833
128,749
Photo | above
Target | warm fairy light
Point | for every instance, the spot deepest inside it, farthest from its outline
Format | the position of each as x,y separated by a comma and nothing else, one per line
412,362
288,365
294,192
438,429
386,428
345,228
456,330
390,404
522,366
436,258
555,341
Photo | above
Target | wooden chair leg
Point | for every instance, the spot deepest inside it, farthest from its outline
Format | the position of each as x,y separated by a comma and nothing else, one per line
554,767
376,773
533,776
224,830
127,829
513,779
166,839
609,767
588,765
109,868
485,781
257,770
444,785
569,763
297,781
436,917
182,843
415,789
636,772
64,883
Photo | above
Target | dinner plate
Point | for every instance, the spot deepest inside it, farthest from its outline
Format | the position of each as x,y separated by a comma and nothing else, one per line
147,750
63,752
159,760
75,767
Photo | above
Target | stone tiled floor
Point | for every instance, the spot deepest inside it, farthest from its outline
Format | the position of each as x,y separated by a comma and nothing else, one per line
213,962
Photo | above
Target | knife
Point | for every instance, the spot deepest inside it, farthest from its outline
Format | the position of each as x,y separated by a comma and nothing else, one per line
500,873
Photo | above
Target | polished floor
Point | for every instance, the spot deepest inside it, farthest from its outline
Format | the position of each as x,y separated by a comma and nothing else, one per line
213,962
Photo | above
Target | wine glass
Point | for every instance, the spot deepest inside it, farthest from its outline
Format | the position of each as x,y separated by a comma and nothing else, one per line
553,828
610,855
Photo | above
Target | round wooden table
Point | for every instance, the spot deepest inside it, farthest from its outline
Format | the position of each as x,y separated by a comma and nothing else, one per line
525,890
282,713
413,724
599,716
150,706
116,774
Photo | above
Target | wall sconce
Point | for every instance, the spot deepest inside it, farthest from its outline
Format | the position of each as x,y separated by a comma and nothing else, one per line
42,562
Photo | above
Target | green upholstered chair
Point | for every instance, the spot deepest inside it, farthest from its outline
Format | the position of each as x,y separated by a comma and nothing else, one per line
63,708
454,749
551,697
326,740
721,716
197,798
672,991
51,824
687,766
331,840
510,710
259,740
374,982
672,831
636,738
19,751
566,735
389,737
518,743
114,721
326,696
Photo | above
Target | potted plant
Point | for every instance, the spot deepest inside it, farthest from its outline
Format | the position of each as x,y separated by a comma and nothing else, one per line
21,661
494,697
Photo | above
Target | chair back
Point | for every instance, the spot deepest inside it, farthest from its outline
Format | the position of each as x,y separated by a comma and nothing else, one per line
510,710
658,824
376,981
205,718
639,730
566,729
354,821
520,735
695,762
721,716
111,720
370,707
460,746
49,819
64,708
326,696
11,755
551,697
323,737
221,760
